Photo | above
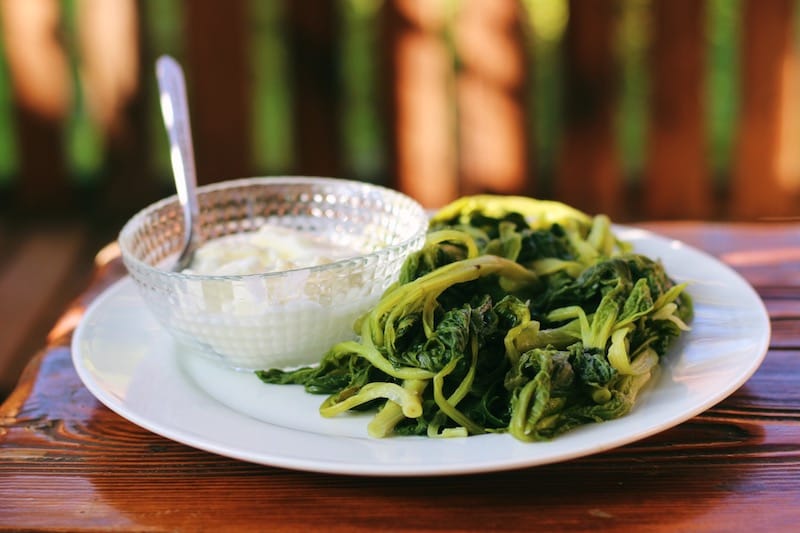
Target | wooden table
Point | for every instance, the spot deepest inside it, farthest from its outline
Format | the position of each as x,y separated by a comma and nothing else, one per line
68,463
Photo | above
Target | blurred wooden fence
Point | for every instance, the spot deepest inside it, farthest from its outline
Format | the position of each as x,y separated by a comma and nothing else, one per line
614,106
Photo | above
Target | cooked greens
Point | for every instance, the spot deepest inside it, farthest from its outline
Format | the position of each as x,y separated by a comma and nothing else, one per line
518,315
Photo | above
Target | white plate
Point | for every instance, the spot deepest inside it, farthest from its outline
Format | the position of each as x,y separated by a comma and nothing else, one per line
132,366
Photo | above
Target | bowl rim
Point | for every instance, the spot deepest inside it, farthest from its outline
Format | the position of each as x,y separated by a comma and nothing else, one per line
128,227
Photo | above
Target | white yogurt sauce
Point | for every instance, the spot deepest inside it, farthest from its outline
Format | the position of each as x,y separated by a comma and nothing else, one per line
270,249
259,322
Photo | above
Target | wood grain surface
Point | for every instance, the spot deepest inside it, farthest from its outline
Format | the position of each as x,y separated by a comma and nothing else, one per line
68,463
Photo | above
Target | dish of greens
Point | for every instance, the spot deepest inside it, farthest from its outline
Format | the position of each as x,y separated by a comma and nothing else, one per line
518,316
134,367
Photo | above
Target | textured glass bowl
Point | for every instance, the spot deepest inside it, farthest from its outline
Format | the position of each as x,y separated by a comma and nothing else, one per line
280,319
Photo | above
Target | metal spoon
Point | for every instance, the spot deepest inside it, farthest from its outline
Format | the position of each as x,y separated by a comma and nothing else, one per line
175,112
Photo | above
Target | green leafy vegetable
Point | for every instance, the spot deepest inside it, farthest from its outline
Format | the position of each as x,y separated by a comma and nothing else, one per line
518,315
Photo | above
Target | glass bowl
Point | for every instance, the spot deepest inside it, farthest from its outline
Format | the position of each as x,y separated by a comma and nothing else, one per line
281,319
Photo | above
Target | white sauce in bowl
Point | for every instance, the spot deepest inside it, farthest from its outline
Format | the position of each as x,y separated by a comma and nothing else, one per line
270,249
258,323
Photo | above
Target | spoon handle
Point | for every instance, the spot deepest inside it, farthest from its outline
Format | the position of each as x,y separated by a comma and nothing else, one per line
175,112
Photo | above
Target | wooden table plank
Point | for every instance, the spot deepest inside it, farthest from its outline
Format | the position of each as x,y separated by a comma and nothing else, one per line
118,475
765,254
42,268
151,482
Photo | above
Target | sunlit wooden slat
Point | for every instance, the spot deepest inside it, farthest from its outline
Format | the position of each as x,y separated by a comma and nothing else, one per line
217,75
112,73
313,63
418,78
788,160
760,186
588,174
109,45
493,144
677,181
41,85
